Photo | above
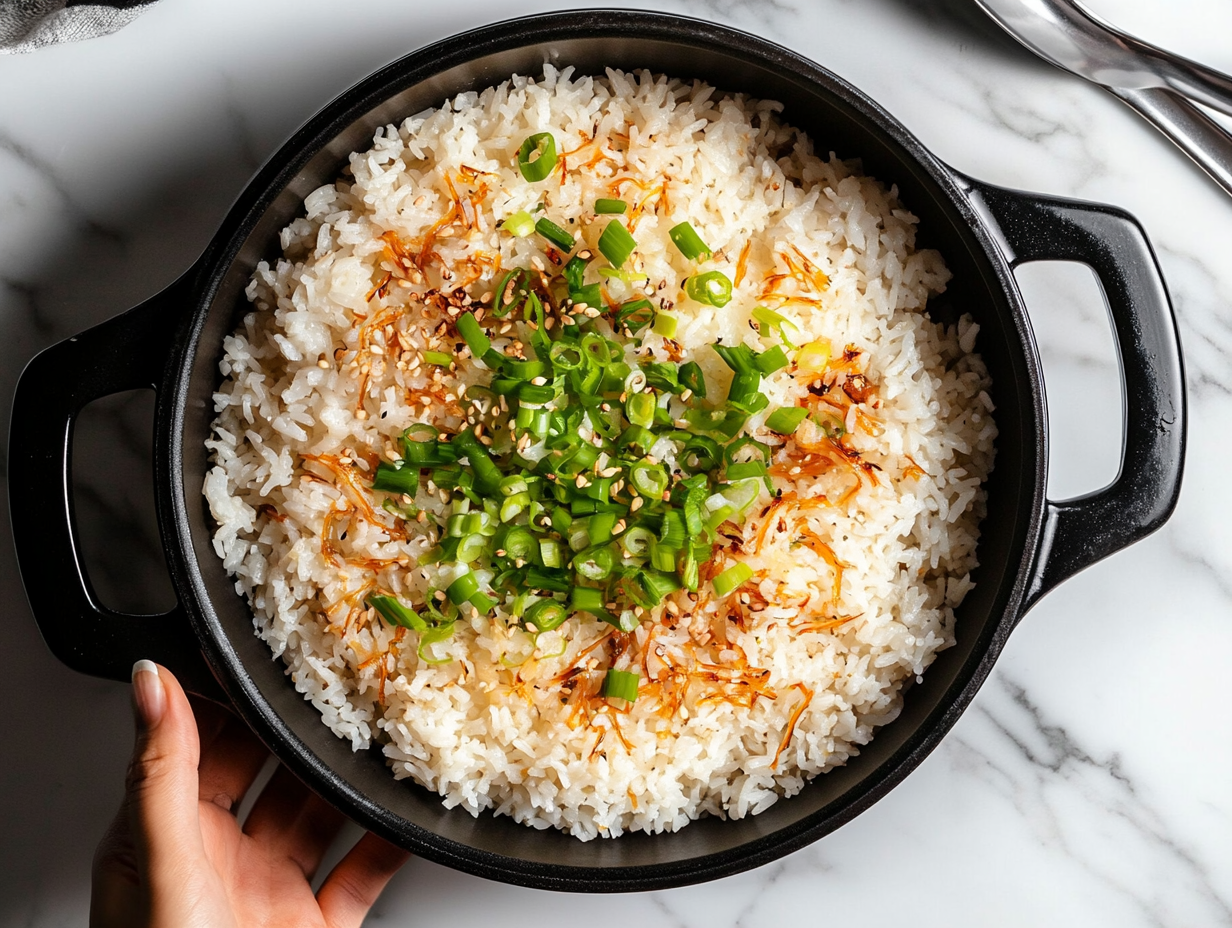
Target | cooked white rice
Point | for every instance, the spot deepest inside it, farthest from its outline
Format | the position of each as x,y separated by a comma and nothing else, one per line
326,367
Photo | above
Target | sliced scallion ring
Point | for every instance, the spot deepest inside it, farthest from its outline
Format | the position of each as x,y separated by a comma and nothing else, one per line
537,156
713,288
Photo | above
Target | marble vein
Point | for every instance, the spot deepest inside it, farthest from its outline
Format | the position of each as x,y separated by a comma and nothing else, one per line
42,321
772,16
1061,127
52,177
1204,306
240,128
1090,809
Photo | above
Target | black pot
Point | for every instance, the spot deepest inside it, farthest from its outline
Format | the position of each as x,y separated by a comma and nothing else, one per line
173,343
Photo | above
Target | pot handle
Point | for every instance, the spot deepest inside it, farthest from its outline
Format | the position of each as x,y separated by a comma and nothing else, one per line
1078,532
128,352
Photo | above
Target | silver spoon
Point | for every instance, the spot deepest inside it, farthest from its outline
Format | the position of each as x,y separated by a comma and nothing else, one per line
1152,81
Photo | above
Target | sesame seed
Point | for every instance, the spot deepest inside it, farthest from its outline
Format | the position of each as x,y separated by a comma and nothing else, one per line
323,364
636,504
376,350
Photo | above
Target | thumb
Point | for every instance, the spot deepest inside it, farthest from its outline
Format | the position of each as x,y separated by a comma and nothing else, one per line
162,785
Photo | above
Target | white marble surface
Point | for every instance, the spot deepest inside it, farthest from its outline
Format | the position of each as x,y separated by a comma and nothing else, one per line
1089,782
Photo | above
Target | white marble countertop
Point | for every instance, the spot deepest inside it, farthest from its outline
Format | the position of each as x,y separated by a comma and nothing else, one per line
1088,782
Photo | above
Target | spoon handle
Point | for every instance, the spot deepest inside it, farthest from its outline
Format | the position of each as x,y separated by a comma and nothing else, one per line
1188,78
1193,131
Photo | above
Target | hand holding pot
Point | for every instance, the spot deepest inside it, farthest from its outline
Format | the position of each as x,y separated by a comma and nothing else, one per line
176,855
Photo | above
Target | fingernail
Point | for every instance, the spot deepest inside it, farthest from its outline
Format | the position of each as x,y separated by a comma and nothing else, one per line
148,694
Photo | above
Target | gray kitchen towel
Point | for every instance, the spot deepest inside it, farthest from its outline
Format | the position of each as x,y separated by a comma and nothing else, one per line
27,25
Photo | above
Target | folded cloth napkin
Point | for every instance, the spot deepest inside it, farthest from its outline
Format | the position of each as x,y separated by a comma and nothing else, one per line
26,25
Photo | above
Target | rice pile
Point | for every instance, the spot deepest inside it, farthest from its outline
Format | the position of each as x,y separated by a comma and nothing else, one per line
859,561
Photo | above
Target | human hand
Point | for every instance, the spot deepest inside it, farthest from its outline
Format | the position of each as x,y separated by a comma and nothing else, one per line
176,856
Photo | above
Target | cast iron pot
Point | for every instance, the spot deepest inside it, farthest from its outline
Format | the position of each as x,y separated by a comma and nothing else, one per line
173,343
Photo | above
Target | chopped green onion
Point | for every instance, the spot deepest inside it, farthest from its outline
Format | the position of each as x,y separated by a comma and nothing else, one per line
616,244
701,454
566,355
394,479
476,340
664,325
520,224
692,378
635,315
594,563
688,241
637,541
512,292
775,322
537,156
662,557
640,408
771,360
786,420
574,273
519,544
604,206
621,274
732,578
554,234
814,357
395,613
586,599
621,684
471,548
545,615
439,358
431,637
463,588
658,585
740,358
744,387
663,375
713,288
745,469
650,480
672,533
599,527
549,550
594,349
